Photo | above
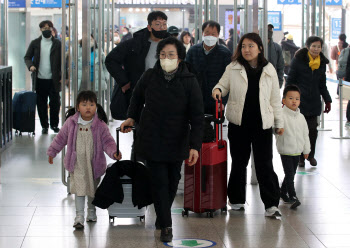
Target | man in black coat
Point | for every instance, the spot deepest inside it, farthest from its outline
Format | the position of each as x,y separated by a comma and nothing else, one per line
130,59
126,35
209,59
44,57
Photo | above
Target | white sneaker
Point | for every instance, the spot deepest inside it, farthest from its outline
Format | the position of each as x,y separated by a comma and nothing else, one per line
91,216
79,222
237,207
273,212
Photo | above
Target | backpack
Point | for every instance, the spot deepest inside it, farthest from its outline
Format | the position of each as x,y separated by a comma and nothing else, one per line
342,62
287,57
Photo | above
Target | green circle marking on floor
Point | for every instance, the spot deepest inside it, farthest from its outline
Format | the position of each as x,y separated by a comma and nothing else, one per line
180,243
306,173
176,210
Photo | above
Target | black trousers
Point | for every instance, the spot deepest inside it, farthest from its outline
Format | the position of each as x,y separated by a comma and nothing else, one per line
290,165
165,180
241,140
44,90
313,133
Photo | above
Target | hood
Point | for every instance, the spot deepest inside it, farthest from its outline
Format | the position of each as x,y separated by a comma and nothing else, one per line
142,34
303,56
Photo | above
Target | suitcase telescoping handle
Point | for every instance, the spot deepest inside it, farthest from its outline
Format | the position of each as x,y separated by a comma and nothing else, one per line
219,120
34,81
118,129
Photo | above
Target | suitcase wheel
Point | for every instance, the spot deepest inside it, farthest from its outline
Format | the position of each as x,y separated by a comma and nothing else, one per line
224,209
210,214
142,218
111,219
185,212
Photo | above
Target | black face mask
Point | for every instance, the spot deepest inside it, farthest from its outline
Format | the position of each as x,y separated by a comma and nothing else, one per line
47,33
160,34
269,34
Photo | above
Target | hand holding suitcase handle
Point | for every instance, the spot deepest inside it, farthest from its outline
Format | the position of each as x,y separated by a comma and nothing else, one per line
125,127
119,129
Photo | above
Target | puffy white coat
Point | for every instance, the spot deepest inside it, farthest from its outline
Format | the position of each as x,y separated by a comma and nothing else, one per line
295,138
235,82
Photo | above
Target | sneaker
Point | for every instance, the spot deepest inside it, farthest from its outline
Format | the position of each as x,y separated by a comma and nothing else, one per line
55,129
91,216
273,212
237,207
296,203
79,222
166,235
312,161
45,131
285,198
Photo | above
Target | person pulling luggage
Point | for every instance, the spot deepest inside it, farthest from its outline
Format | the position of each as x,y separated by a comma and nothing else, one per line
170,127
87,137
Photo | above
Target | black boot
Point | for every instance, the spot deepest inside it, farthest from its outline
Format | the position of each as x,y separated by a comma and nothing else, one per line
157,225
296,203
166,234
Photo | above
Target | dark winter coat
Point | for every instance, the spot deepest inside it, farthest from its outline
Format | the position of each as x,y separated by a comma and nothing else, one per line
32,58
126,37
276,59
172,119
111,189
289,45
210,69
311,83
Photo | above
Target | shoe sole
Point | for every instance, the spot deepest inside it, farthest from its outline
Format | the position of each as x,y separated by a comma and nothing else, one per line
275,214
91,220
295,205
166,240
78,226
238,209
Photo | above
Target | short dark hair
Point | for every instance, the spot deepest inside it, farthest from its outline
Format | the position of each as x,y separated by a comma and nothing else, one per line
230,31
290,87
181,50
183,34
238,53
313,39
154,15
81,41
211,24
342,37
43,24
126,28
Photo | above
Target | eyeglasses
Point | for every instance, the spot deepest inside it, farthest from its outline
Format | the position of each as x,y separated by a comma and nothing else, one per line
169,56
159,25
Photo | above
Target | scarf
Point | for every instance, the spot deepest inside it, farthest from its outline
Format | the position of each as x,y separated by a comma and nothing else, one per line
187,46
169,75
314,63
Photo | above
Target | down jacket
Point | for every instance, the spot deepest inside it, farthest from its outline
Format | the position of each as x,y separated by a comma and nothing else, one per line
172,119
312,84
295,139
103,142
235,82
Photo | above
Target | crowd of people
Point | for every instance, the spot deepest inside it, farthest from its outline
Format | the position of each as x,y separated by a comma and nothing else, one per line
169,83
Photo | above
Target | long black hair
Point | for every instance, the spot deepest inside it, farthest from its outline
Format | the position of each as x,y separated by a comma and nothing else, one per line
238,53
88,95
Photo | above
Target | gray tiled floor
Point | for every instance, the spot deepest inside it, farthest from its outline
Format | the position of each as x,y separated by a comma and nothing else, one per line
35,210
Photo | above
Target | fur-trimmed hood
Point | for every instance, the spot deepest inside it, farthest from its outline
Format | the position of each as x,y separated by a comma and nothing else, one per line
302,55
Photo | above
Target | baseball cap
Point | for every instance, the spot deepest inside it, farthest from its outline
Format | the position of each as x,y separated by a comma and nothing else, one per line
289,37
173,30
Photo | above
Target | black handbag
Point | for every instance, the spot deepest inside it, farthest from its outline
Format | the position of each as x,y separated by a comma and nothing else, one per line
119,103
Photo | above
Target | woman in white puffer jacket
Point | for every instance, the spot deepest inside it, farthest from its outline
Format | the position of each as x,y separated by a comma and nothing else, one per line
253,108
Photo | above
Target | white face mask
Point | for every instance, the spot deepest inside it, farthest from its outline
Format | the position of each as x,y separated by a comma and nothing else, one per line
210,40
124,33
116,39
168,65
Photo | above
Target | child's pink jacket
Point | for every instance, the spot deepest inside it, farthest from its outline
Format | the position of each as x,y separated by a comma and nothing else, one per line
103,142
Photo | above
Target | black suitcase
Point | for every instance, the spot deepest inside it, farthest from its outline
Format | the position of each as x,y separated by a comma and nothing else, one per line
24,103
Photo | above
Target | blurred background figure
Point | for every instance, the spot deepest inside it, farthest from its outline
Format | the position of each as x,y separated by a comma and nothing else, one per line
288,50
229,41
54,33
126,35
186,39
173,31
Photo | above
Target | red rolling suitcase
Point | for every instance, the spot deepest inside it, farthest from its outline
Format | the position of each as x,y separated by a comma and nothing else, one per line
206,182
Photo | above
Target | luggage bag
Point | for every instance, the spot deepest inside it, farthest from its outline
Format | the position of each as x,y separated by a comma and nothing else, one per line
126,209
24,103
206,181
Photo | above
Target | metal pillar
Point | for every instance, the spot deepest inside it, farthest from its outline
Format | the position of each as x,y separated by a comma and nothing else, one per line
100,51
264,34
320,18
307,19
86,48
235,20
343,19
195,22
200,20
206,10
63,85
313,17
75,53
341,112
302,23
6,48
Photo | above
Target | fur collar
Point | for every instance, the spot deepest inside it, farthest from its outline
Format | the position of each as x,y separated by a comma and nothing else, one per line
302,55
